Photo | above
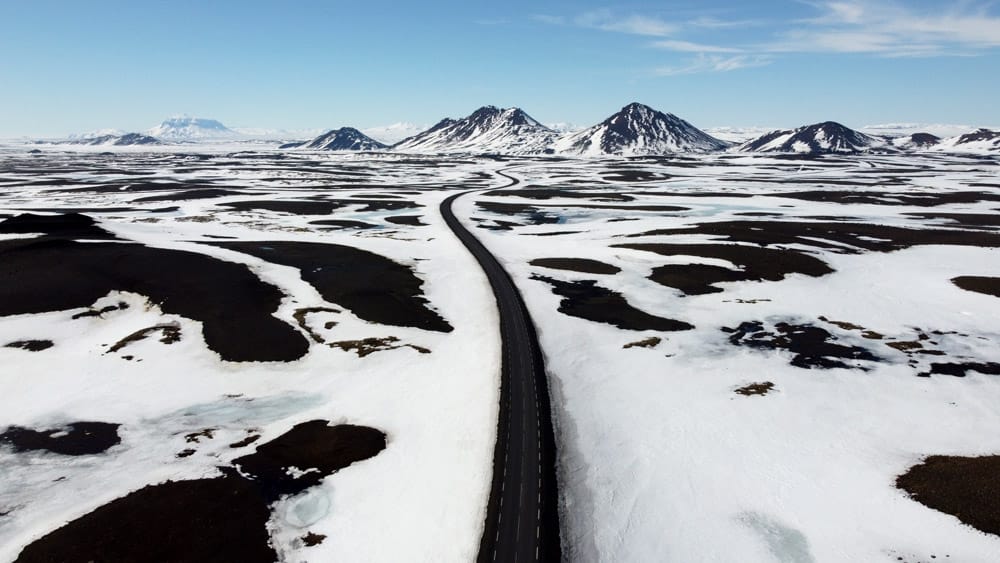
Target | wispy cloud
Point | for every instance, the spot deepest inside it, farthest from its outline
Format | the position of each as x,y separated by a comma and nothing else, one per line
708,22
689,47
715,63
879,28
606,20
886,28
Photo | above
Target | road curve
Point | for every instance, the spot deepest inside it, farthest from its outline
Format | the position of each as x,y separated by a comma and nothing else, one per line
522,519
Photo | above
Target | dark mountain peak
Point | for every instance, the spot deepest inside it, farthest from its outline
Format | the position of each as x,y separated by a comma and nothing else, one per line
343,139
924,139
489,129
638,129
818,138
130,139
981,134
636,107
484,113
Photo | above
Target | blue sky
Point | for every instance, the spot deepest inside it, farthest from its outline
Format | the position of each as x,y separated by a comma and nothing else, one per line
71,66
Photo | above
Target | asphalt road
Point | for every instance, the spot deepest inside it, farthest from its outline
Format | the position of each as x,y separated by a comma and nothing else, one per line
522,520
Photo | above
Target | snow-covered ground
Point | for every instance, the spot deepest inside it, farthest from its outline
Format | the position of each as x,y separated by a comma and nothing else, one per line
660,458
421,499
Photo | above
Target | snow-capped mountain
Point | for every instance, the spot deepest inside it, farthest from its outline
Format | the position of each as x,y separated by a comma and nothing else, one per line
487,130
978,140
820,138
639,130
915,141
343,139
186,128
124,140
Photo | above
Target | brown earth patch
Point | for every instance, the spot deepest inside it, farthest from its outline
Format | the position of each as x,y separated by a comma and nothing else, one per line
964,487
979,284
586,300
584,265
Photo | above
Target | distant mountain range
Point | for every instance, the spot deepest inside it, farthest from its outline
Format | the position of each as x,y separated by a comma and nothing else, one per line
635,130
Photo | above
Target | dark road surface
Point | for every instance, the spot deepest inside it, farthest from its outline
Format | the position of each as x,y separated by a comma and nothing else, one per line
522,521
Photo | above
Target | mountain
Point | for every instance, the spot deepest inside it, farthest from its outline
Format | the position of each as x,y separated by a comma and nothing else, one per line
820,138
978,140
487,130
185,128
125,140
915,141
343,139
639,130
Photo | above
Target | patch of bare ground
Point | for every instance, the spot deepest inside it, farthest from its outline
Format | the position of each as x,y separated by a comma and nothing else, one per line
408,220
30,345
208,520
300,317
584,265
650,342
294,207
961,369
755,264
586,300
964,487
760,389
99,313
311,539
813,347
979,284
844,238
368,346
342,224
169,334
75,438
372,286
235,307
67,225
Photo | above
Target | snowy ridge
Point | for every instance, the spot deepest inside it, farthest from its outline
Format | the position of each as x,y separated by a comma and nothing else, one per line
639,130
489,129
184,128
820,138
915,141
977,141
343,139
116,140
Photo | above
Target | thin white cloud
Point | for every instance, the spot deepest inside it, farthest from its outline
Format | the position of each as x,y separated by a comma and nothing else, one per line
888,29
715,63
708,22
606,20
689,47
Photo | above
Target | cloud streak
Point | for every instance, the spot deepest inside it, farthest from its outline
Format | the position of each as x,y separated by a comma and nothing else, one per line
875,27
715,63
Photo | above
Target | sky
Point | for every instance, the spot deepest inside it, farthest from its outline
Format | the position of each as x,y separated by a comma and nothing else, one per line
71,67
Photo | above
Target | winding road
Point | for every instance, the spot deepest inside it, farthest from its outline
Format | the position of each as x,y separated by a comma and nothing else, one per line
522,520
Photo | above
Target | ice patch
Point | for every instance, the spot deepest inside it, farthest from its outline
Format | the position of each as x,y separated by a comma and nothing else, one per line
306,509
788,545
